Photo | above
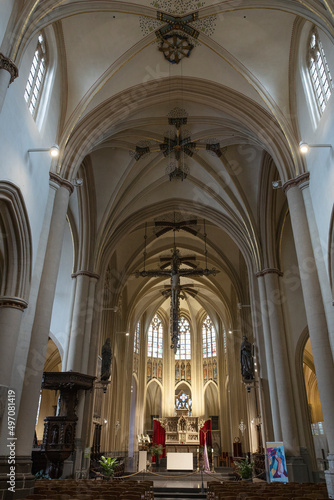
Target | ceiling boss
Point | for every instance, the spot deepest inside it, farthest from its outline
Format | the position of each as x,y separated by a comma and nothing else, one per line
177,27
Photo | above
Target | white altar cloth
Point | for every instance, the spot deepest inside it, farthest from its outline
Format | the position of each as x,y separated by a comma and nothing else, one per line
180,461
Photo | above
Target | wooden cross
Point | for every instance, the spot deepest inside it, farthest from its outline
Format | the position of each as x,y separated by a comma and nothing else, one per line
175,272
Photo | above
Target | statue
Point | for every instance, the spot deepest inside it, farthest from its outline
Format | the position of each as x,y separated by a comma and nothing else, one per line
246,360
106,360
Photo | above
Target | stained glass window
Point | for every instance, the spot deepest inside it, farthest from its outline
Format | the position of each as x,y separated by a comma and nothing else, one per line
136,339
209,338
319,71
155,338
184,352
183,402
36,76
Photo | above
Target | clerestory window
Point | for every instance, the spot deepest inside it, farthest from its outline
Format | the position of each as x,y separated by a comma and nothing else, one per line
319,71
184,352
209,338
155,338
36,78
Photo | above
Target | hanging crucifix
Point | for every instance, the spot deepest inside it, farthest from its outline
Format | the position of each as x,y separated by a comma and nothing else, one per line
175,271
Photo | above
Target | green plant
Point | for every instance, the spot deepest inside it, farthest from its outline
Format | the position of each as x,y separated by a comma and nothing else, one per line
244,468
157,449
108,465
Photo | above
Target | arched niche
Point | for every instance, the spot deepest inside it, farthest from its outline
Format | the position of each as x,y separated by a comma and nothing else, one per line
211,400
153,403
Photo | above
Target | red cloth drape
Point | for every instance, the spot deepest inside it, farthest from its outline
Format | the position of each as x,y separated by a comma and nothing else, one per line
159,436
206,432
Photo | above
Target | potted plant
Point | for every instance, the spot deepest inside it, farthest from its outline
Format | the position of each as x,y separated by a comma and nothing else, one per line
244,468
108,465
157,451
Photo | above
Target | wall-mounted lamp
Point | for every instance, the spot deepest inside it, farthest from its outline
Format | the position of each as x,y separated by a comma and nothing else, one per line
240,306
77,182
53,151
231,331
304,147
277,184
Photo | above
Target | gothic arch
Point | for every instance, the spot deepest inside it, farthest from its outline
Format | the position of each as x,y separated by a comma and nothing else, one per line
16,245
211,399
303,338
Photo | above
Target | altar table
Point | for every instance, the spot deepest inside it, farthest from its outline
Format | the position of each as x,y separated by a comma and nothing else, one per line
179,461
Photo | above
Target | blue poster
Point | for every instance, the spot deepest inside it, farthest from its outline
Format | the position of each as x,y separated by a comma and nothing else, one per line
276,463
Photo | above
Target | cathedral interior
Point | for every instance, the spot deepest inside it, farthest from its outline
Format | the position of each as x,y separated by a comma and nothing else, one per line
174,256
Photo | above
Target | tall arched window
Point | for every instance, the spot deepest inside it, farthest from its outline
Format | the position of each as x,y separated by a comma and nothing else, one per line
155,338
209,338
184,352
34,85
136,339
319,72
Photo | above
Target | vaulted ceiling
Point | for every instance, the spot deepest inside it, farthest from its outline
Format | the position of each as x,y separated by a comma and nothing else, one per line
237,91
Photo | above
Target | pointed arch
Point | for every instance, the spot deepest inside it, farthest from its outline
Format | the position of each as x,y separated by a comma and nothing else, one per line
15,244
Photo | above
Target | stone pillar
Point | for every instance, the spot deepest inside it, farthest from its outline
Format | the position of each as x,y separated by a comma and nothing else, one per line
78,353
41,325
278,436
8,73
319,260
281,363
77,359
315,314
11,310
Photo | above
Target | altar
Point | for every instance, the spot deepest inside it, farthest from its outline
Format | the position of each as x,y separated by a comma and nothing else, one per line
182,430
182,435
180,461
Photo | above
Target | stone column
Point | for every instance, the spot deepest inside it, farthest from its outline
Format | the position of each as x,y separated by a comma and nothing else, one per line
8,73
41,325
78,354
11,311
77,359
315,314
269,358
281,363
319,260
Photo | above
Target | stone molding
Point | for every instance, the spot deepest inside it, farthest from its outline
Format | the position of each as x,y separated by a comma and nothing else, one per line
269,270
296,182
13,302
8,65
61,182
85,273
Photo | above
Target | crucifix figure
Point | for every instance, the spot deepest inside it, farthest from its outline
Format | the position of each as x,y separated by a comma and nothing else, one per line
175,272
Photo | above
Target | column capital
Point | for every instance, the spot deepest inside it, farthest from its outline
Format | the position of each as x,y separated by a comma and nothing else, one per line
61,182
13,302
86,273
269,270
8,65
296,181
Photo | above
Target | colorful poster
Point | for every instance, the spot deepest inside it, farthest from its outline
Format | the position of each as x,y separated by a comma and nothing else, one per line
276,463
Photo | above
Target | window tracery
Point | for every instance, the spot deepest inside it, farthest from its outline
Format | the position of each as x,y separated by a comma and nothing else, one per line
36,78
319,71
